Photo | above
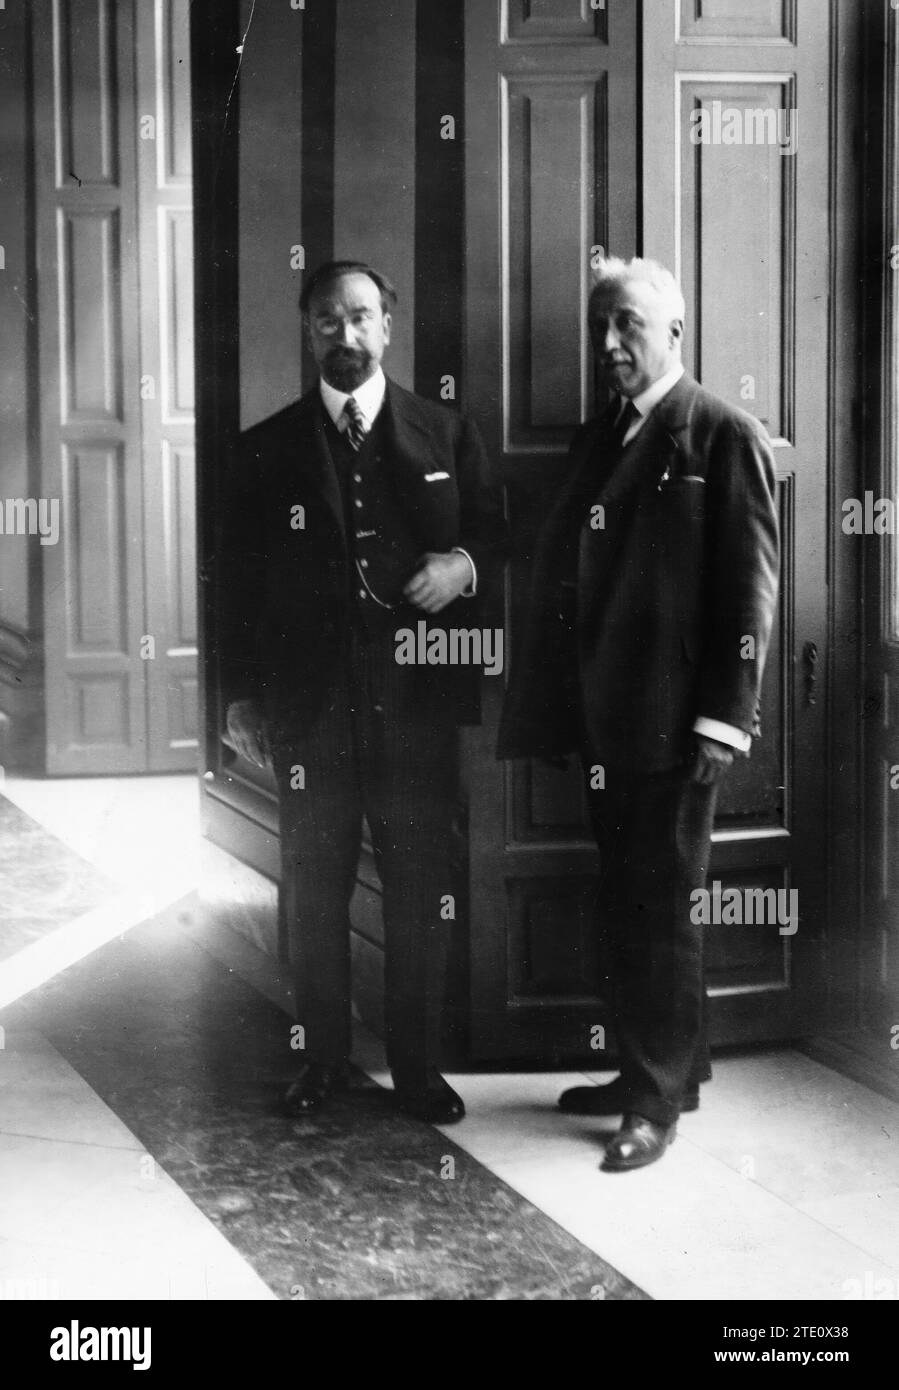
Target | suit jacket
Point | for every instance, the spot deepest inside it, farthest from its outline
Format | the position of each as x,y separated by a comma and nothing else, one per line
622,652
286,574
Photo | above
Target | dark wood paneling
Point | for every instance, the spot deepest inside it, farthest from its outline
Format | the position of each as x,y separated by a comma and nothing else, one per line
554,152
21,570
758,791
275,208
879,193
214,38
554,953
439,199
318,58
752,957
545,803
552,155
374,155
757,333
745,355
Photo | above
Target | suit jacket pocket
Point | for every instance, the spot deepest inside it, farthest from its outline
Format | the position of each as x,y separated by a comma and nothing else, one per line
681,500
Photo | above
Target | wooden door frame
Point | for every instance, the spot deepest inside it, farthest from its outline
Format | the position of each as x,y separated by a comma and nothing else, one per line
215,29
844,659
837,955
215,35
876,1008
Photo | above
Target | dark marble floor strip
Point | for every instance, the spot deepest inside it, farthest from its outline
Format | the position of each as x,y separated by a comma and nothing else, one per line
43,883
359,1203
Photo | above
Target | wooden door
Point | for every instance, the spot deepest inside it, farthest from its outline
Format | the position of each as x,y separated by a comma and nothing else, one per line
881,554
90,411
112,137
166,251
551,158
747,229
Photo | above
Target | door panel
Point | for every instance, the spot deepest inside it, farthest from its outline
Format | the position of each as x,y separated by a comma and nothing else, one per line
745,227
115,253
551,150
166,251
93,578
744,223
881,563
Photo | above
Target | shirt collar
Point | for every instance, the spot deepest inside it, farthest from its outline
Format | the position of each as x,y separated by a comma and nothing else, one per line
649,399
369,397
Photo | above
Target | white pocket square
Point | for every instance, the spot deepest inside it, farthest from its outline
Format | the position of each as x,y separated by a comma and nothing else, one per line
435,477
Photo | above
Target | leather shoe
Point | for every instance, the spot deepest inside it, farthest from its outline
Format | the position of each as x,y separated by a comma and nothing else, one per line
429,1098
639,1141
609,1099
313,1086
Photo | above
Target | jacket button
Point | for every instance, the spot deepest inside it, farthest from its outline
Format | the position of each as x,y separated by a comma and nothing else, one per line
358,502
364,564
362,593
357,477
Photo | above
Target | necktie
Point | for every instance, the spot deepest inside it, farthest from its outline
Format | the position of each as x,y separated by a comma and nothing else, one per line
592,541
355,424
628,414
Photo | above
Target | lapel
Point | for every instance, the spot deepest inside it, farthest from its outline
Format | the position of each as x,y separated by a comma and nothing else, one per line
306,448
409,438
658,453
588,471
591,464
412,451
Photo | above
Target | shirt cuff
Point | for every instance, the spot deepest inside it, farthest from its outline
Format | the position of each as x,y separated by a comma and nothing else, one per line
723,733
473,586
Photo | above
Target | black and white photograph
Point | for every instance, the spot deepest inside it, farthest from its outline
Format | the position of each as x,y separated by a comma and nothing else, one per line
449,663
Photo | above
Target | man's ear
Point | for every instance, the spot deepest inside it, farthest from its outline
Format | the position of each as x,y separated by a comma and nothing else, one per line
386,326
676,329
306,330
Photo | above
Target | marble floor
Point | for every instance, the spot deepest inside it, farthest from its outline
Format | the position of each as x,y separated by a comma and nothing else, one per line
43,883
85,1211
358,1202
785,1185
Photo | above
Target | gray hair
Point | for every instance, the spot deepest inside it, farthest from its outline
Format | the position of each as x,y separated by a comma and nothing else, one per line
615,271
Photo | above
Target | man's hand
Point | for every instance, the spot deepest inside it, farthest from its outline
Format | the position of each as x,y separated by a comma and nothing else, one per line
246,730
712,760
440,579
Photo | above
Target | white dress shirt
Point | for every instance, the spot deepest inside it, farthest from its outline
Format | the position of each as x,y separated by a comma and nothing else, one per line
645,403
369,397
649,399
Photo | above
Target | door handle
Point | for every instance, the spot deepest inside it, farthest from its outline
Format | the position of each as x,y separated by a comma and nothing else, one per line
809,663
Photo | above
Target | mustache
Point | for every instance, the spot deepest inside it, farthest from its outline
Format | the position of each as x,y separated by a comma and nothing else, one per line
341,355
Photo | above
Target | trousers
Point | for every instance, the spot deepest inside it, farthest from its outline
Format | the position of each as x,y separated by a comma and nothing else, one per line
654,836
382,748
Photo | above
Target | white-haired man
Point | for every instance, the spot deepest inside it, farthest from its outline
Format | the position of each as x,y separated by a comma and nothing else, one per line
655,583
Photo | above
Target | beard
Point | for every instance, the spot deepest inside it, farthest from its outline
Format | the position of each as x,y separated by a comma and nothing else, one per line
346,368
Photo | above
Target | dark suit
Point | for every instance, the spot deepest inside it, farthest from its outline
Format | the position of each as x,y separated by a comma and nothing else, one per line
657,614
311,634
